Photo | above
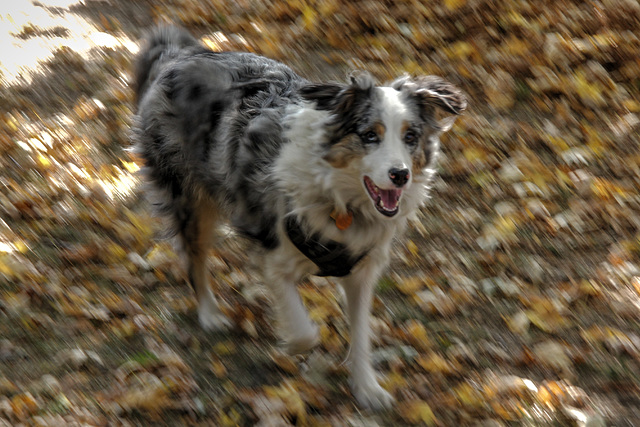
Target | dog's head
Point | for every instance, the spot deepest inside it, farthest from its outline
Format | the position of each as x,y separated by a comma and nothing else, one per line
387,135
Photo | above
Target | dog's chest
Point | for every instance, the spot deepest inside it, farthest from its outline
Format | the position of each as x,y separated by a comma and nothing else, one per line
332,258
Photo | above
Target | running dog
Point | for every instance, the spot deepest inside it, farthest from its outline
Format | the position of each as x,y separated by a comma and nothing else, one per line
322,176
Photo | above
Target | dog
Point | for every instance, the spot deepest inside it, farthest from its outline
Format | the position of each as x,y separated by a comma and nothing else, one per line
321,176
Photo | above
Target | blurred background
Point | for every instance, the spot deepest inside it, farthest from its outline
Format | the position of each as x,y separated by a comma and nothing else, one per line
514,301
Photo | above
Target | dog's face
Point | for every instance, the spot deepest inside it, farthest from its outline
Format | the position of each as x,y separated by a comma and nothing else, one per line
389,135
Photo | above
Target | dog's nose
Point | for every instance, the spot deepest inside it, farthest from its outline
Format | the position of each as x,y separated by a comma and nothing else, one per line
399,176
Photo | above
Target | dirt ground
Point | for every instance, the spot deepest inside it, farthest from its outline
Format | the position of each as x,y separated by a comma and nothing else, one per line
514,300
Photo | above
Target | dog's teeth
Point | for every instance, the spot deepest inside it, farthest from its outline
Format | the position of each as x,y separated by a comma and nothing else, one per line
381,205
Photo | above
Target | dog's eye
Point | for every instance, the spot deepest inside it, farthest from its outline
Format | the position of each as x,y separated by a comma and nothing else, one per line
371,137
410,138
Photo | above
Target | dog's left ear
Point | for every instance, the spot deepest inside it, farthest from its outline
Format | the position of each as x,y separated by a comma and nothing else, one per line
433,91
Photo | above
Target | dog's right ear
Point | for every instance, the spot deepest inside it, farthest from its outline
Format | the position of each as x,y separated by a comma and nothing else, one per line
325,95
338,97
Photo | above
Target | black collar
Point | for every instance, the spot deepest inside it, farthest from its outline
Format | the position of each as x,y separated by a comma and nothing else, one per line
331,257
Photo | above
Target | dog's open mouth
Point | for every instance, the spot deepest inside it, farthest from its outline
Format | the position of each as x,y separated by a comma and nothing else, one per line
386,201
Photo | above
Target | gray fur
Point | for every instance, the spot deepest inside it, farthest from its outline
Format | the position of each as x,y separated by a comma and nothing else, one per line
209,126
238,137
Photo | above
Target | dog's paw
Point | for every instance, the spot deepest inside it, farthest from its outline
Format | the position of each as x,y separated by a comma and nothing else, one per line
214,322
370,395
303,340
211,318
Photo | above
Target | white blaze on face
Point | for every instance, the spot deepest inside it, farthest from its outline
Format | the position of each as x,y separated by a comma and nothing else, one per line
391,153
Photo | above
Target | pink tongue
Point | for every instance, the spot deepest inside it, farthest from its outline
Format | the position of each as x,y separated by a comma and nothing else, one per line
390,198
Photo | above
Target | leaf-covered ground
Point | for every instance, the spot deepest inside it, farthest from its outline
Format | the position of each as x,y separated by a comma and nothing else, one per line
514,301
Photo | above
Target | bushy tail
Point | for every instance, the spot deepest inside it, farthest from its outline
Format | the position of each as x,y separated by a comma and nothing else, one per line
161,44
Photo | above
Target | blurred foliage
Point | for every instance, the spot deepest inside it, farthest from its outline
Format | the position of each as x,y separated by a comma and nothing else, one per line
515,300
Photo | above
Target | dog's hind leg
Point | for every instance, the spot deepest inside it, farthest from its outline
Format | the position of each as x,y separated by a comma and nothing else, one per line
195,230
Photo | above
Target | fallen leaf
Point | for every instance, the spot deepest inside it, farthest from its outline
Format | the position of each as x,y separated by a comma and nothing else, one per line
437,364
518,323
416,412
554,355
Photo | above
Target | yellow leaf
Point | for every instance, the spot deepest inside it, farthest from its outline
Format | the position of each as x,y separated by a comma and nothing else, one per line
20,246
412,67
454,4
515,46
469,396
417,334
563,177
309,17
545,314
413,248
328,7
417,412
436,363
548,322
559,143
509,410
590,288
409,285
589,92
631,105
606,189
551,393
394,381
12,123
506,225
230,419
290,396
460,50
224,348
114,253
212,44
218,369
474,153
23,405
131,167
45,162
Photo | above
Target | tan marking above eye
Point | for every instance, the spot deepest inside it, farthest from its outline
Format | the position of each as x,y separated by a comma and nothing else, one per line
405,127
380,130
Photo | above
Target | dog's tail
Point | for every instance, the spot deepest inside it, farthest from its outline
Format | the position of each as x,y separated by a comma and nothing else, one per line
161,45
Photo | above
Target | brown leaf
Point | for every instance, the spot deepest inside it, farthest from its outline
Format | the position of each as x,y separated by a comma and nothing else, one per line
284,361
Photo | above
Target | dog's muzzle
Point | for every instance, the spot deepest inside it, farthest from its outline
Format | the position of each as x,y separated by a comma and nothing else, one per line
399,177
386,201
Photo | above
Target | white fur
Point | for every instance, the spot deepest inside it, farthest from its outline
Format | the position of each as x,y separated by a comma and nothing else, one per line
315,189
216,160
392,152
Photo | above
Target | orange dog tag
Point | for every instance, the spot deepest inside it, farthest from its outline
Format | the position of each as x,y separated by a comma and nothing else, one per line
343,221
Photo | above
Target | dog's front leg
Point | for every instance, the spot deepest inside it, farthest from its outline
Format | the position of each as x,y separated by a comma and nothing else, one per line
359,287
295,328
